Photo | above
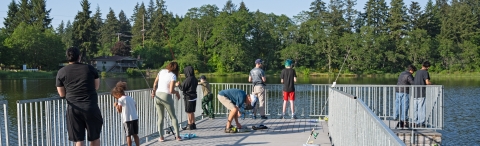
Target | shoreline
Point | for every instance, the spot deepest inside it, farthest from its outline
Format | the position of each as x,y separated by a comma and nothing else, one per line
152,73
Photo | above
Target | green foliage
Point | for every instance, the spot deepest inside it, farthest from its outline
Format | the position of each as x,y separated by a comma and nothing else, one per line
28,44
304,70
104,74
383,38
131,72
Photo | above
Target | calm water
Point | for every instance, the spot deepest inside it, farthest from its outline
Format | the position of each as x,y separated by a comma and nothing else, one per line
461,98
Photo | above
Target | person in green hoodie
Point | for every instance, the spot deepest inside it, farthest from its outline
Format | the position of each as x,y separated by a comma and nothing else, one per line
207,105
189,88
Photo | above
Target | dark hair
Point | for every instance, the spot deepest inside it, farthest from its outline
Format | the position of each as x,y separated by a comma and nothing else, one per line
411,67
173,67
426,64
119,89
73,53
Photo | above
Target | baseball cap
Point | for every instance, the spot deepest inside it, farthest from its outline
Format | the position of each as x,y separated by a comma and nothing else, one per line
203,77
258,61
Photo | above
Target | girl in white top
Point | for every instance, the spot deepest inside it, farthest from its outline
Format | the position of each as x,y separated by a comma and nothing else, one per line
162,95
127,108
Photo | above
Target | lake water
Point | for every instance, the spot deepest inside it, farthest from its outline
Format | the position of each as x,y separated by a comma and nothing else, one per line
461,97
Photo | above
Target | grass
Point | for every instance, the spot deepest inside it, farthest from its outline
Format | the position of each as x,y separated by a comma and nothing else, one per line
24,74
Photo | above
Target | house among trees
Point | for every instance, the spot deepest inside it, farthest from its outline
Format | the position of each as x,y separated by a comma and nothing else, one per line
115,63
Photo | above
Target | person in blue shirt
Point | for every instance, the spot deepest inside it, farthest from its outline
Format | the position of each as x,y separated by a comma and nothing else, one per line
233,99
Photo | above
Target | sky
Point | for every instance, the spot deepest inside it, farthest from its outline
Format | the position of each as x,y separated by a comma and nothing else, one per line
67,9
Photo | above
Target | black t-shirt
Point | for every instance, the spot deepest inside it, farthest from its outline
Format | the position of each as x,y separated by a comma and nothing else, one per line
79,82
288,83
420,77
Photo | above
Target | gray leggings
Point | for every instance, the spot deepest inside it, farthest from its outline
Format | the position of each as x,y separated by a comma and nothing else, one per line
165,101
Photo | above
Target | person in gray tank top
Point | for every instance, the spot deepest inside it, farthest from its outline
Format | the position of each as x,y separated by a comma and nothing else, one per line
257,77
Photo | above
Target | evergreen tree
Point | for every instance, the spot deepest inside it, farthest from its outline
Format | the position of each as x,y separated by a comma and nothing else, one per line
11,21
137,38
124,24
61,29
110,32
83,32
397,25
40,15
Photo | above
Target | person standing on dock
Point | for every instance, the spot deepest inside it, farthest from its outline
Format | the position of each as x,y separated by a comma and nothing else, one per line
127,107
78,84
422,77
163,89
402,96
288,77
189,88
234,100
207,105
257,77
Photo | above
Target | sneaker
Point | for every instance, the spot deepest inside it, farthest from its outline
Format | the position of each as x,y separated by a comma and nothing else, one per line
294,117
263,117
254,117
282,117
194,126
188,127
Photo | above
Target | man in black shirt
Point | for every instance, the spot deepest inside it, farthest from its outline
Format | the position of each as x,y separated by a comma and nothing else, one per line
78,83
402,96
288,77
421,78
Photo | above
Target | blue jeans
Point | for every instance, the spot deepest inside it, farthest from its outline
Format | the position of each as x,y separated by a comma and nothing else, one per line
419,110
401,106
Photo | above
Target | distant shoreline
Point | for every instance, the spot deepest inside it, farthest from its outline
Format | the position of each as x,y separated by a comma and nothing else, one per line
152,74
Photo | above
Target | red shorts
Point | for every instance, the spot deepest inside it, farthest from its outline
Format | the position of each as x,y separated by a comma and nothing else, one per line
288,95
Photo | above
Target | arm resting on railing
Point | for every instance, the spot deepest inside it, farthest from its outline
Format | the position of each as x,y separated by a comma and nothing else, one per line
61,92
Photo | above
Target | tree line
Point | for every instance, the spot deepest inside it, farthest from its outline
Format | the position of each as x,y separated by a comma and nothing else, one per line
384,38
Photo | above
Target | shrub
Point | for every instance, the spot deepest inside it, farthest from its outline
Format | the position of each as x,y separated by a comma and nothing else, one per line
103,74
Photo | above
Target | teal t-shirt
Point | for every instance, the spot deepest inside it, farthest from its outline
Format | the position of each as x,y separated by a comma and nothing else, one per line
237,96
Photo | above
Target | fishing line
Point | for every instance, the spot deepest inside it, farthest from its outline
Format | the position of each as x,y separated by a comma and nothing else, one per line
338,75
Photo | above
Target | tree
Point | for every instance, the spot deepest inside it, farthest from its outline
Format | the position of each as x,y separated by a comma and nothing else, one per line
124,28
61,28
10,22
110,33
40,15
83,32
29,45
137,28
120,49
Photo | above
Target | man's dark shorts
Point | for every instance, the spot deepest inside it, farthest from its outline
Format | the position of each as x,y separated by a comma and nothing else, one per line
131,127
78,120
190,106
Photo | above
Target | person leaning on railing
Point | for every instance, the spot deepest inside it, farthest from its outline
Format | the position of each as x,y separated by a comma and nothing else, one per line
78,83
163,97
402,96
422,77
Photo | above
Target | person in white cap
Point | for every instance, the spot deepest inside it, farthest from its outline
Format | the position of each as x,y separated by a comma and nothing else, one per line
234,99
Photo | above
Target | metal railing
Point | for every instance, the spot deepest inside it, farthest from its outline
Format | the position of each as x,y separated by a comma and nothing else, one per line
4,123
381,100
310,100
351,122
43,121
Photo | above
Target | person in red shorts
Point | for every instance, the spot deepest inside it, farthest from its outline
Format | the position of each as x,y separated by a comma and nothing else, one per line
288,78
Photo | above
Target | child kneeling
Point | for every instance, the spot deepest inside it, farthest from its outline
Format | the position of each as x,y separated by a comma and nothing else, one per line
127,107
